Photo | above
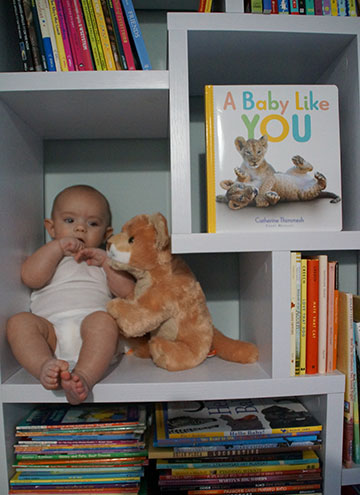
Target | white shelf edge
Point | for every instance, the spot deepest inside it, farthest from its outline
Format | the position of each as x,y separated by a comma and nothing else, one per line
138,380
264,241
350,476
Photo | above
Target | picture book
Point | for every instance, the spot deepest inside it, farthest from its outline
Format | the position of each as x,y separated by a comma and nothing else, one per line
233,418
273,158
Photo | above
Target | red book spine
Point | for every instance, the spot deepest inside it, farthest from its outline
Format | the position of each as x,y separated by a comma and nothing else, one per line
312,317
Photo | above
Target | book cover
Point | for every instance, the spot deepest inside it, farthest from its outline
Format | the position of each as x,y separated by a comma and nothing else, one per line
65,36
93,34
309,7
253,135
342,8
351,8
267,6
45,35
334,7
312,316
58,35
33,41
134,28
326,7
303,315
302,7
330,318
274,7
283,6
124,37
345,364
294,7
229,418
323,275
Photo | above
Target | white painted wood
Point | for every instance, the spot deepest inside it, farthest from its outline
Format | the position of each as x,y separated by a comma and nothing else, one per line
126,104
234,6
258,241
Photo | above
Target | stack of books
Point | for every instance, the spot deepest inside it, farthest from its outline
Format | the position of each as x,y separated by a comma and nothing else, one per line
340,8
236,446
87,448
78,35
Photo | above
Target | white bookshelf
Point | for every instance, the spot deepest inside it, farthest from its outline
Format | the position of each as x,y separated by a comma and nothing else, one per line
115,129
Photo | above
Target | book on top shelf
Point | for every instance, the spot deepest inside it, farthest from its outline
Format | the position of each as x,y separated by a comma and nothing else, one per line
136,34
273,158
312,317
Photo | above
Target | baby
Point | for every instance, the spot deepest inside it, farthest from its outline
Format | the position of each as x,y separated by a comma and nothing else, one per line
68,323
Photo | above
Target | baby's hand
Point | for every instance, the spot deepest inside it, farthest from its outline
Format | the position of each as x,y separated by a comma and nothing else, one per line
70,245
92,256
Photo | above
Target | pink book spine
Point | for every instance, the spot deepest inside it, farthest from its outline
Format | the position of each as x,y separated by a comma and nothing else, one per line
124,35
65,35
83,46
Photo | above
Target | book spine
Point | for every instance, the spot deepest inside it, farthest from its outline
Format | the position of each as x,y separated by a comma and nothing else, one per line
79,37
49,54
137,37
283,6
52,35
256,6
202,6
302,7
104,36
298,314
24,51
351,8
249,469
341,8
34,45
124,34
91,34
326,7
309,7
117,35
267,6
274,7
111,33
323,267
58,36
97,35
208,5
318,7
38,35
334,8
65,36
330,318
356,440
336,314
312,317
294,7
303,313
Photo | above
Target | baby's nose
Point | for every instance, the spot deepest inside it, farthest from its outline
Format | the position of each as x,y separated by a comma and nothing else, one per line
80,227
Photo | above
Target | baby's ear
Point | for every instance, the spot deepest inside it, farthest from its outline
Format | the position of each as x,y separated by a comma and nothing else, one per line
49,226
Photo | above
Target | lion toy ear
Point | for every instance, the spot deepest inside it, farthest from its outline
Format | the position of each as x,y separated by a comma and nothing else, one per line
162,234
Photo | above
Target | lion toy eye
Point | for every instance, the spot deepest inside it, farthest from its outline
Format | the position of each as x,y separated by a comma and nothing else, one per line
131,240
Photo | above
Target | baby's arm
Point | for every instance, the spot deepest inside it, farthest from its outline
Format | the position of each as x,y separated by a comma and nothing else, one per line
120,283
39,268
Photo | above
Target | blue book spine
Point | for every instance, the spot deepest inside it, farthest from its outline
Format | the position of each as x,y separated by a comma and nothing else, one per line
266,6
342,8
136,34
283,6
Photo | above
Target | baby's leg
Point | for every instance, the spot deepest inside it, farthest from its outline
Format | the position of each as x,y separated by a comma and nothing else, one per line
33,341
100,336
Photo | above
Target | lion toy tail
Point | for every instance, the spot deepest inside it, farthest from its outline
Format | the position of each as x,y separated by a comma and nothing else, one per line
234,350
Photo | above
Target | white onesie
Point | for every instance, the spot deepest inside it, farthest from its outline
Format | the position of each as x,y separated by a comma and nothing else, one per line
75,290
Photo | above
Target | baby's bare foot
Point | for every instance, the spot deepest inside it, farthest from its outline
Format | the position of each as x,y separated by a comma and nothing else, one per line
51,373
75,387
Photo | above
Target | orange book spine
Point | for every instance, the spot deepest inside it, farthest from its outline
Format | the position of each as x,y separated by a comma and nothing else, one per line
312,317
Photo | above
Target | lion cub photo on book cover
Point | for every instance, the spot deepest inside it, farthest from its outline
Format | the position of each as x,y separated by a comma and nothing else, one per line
273,158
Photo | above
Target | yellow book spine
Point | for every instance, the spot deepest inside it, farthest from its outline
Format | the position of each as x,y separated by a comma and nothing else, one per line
58,37
334,7
303,316
245,469
90,29
208,5
104,36
210,159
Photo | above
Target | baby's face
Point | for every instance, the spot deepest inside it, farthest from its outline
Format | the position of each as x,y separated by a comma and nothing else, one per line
83,215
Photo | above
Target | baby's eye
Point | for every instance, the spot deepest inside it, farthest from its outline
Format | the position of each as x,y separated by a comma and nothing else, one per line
68,220
93,224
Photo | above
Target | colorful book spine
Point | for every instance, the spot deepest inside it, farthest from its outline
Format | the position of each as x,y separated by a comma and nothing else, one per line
330,318
77,34
318,7
298,314
256,6
303,313
25,51
116,31
283,6
58,35
35,17
97,35
137,37
356,439
309,7
202,6
323,275
65,36
294,7
341,8
104,36
45,35
267,6
334,8
326,7
292,313
52,35
111,33
208,5
92,37
274,7
34,45
312,316
130,62
302,7
351,8
336,313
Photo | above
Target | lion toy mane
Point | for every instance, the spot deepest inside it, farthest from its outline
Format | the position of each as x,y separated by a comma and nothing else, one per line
167,311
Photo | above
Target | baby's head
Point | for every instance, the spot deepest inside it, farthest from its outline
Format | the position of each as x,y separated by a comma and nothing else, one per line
83,212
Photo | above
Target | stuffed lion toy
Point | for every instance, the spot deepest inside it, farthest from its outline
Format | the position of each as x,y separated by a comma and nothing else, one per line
167,306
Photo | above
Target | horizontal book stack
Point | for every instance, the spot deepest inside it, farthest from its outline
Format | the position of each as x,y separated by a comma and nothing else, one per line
78,35
89,448
236,446
338,8
314,314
